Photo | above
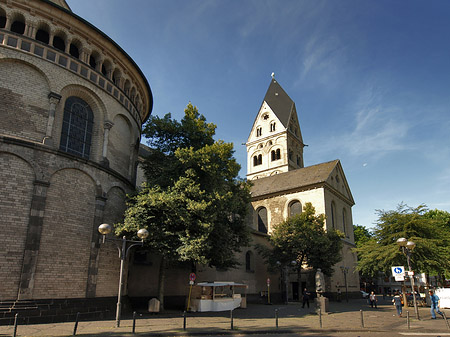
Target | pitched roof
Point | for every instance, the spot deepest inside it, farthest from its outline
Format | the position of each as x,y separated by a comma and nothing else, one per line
279,101
293,180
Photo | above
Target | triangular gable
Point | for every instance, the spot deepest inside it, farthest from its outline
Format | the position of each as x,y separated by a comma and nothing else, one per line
338,182
264,111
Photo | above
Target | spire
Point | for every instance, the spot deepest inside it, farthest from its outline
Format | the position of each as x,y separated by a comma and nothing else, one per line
279,101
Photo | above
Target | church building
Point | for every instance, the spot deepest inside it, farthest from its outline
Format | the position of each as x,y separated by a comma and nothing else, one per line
282,185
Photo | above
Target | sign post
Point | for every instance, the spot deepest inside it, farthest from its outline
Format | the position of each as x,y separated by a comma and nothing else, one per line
191,283
268,290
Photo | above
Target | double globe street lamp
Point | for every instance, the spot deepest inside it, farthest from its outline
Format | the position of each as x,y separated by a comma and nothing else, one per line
121,244
407,247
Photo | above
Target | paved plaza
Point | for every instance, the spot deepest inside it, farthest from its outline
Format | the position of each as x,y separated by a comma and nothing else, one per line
258,319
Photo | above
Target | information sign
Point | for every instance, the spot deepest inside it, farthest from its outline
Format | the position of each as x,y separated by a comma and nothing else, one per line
399,273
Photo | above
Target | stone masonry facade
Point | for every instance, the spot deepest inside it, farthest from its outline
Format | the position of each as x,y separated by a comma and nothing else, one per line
53,198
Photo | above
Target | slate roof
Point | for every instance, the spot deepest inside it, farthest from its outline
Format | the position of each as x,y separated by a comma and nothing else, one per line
293,180
279,101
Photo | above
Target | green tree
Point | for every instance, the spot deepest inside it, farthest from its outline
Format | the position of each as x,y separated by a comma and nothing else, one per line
431,254
303,239
194,205
361,234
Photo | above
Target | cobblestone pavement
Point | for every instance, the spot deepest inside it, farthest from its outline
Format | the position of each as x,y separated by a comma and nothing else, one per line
355,317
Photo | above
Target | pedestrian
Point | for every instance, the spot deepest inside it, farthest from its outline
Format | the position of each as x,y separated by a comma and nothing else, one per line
305,297
397,300
373,299
435,305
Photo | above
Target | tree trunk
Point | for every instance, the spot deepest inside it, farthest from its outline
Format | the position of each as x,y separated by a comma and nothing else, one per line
161,280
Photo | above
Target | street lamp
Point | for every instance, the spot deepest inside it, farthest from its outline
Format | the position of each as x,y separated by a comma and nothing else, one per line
407,247
285,272
345,272
121,244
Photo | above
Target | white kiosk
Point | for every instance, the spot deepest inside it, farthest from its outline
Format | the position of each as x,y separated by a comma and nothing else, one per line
218,296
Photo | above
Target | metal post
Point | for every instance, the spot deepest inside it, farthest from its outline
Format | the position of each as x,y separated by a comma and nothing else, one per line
134,321
446,322
119,295
320,317
407,320
362,318
184,320
16,319
231,317
76,324
276,318
286,281
411,277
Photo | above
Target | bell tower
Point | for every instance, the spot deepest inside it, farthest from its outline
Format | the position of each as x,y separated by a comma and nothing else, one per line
275,143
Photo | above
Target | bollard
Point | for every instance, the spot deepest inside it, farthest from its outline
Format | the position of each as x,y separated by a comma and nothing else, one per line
276,318
407,320
134,322
362,319
320,317
231,317
76,324
16,319
184,320
445,318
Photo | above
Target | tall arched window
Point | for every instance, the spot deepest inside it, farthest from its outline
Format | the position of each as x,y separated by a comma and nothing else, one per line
333,215
78,121
344,222
2,18
262,220
295,207
248,261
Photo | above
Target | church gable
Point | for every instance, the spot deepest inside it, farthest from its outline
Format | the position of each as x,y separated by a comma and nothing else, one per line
338,182
266,124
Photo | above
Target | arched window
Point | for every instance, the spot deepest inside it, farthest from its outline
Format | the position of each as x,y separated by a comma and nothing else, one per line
43,36
248,261
93,60
18,26
58,43
333,215
78,121
344,222
262,220
273,126
258,131
295,207
275,154
257,160
2,18
74,50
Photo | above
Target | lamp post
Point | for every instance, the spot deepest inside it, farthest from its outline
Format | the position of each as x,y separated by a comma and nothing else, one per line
407,247
285,272
121,244
345,272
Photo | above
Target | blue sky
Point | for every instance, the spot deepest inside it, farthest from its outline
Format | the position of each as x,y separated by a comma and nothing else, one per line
370,79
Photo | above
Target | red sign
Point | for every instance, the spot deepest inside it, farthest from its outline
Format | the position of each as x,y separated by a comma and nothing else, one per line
192,276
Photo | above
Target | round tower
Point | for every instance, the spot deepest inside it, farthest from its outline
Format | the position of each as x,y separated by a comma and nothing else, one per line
72,104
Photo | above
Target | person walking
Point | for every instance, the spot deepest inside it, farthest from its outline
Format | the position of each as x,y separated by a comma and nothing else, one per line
373,299
305,298
435,305
397,300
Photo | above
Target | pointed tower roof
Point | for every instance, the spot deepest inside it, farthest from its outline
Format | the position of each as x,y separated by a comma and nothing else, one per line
279,101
